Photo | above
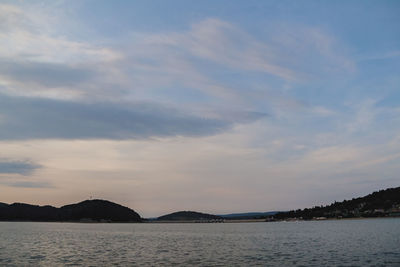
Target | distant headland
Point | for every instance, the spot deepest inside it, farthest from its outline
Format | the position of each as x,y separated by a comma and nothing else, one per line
86,211
384,203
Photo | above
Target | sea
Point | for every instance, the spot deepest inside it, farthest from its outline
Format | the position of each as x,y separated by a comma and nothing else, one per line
364,242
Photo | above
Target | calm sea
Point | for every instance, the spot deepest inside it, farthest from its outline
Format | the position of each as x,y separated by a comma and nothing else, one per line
372,242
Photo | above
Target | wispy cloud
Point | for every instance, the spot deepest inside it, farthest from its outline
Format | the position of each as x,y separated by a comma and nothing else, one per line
32,34
160,65
301,54
28,184
226,44
382,56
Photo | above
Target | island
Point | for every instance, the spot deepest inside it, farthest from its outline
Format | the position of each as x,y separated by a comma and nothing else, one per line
189,216
96,210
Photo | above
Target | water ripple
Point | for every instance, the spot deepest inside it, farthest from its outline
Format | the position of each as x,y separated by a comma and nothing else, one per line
330,243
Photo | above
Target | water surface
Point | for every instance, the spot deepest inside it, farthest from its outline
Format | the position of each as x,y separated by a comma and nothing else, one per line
369,242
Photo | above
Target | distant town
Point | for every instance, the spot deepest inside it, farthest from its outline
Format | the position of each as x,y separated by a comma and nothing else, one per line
384,203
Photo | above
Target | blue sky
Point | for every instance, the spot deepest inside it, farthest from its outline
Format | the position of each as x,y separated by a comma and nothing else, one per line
216,106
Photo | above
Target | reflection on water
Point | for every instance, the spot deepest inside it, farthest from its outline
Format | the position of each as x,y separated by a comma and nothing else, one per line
346,243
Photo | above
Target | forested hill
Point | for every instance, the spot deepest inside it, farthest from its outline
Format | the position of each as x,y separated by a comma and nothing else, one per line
378,204
88,211
188,216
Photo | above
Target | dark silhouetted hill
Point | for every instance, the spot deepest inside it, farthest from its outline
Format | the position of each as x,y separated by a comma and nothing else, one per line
378,204
188,216
88,210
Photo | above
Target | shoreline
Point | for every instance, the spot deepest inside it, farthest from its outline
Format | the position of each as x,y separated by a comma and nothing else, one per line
334,219
205,222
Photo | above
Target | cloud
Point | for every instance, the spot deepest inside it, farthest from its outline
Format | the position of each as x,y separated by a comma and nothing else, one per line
224,65
17,167
226,44
36,63
322,111
12,17
32,32
382,56
188,68
28,184
292,53
38,118
45,74
36,59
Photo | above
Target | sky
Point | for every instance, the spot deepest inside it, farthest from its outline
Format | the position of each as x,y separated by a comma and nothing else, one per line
213,106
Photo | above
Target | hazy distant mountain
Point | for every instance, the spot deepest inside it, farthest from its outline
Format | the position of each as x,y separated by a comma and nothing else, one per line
378,204
248,215
88,210
188,216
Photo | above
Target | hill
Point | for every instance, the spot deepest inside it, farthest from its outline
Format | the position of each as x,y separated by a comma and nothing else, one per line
248,215
378,204
188,216
89,210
